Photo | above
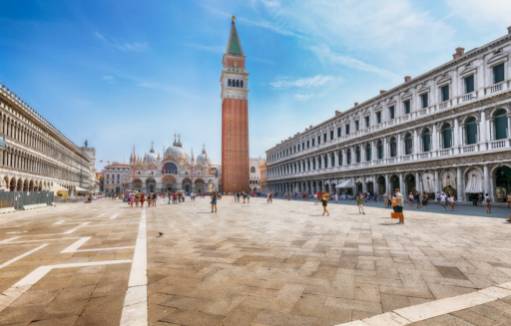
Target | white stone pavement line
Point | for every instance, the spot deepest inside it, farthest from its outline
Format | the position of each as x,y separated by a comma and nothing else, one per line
76,228
36,240
75,247
134,310
423,311
113,217
15,291
15,259
9,240
59,222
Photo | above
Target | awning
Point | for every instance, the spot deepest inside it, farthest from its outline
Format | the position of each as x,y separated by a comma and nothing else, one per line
428,183
345,184
474,182
80,189
449,180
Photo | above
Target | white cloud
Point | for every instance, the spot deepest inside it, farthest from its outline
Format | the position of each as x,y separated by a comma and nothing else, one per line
479,13
307,82
122,46
325,54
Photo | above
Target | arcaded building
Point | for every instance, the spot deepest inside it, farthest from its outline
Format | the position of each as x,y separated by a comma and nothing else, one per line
445,130
34,155
235,150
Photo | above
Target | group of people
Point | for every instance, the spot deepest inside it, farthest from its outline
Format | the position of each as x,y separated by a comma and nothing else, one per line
176,197
136,199
396,202
242,194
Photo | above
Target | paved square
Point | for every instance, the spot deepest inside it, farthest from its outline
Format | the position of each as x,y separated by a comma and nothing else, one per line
252,264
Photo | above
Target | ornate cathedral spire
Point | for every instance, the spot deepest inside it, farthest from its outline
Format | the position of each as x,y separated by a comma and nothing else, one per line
151,150
133,156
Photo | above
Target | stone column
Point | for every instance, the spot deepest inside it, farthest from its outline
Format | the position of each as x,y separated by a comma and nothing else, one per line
416,142
402,184
486,180
374,151
387,184
399,145
437,182
336,158
456,134
482,127
385,148
434,140
418,182
460,185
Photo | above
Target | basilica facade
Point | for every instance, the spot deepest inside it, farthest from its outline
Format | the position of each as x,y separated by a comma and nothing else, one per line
173,170
445,130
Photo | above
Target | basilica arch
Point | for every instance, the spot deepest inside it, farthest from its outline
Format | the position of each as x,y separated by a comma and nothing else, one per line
168,183
200,186
150,185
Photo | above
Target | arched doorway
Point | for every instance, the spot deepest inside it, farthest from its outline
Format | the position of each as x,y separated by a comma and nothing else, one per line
187,185
31,185
381,185
168,183
150,185
137,184
200,186
359,187
502,177
12,184
19,186
370,187
449,183
327,188
410,183
394,183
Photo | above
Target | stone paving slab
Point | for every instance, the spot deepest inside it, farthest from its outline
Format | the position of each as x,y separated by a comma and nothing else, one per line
254,264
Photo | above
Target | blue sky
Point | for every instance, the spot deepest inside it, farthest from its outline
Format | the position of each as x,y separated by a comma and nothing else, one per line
128,72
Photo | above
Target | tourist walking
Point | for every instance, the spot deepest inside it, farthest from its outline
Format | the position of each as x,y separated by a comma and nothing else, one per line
214,198
142,199
137,199
269,198
397,207
360,204
487,202
324,202
451,201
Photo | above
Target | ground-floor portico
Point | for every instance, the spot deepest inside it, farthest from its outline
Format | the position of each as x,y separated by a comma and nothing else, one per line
465,178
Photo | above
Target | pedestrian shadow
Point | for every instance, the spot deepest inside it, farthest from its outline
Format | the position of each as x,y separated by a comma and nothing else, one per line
389,224
316,215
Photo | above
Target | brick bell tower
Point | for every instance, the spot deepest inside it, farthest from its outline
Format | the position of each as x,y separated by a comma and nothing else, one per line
234,80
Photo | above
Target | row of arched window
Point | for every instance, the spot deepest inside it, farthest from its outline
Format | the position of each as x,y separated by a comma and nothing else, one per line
235,83
20,161
32,137
470,134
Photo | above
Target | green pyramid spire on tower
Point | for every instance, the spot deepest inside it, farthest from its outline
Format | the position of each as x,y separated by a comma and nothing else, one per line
234,45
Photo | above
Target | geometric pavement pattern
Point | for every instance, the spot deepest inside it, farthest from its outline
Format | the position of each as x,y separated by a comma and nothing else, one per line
249,264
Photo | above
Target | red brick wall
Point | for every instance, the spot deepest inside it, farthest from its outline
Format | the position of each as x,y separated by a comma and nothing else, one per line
235,160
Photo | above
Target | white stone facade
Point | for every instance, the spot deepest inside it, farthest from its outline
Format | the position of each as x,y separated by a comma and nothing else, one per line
35,155
116,178
445,130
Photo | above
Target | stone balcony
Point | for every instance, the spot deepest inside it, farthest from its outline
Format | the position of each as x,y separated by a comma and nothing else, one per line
457,151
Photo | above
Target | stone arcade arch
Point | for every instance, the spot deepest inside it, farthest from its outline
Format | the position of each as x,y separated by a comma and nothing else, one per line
187,185
200,186
137,184
410,183
394,183
381,185
168,183
502,182
150,185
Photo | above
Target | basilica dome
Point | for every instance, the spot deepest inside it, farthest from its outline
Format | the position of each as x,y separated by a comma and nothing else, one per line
202,158
175,152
